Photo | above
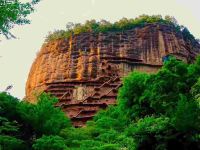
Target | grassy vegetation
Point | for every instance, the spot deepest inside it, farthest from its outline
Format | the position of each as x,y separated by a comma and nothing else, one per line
104,26
155,111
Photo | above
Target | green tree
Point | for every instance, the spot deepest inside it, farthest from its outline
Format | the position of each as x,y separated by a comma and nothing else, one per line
49,143
165,109
44,117
22,122
14,12
9,133
186,118
8,106
11,143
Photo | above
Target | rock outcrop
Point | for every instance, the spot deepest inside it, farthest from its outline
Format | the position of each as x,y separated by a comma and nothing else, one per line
85,70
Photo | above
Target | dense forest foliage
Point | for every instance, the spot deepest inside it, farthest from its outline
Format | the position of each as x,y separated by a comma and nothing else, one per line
104,26
154,111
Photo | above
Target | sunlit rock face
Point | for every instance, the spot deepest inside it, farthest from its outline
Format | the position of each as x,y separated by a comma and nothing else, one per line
85,71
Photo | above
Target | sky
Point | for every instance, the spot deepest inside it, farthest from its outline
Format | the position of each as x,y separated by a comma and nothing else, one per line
17,55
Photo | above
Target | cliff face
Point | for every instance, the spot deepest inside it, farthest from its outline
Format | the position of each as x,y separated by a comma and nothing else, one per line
84,71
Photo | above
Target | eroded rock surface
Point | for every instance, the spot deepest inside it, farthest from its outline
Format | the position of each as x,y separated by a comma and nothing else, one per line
85,71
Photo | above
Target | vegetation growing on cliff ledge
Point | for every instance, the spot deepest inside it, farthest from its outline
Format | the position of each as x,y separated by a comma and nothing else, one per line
124,24
155,111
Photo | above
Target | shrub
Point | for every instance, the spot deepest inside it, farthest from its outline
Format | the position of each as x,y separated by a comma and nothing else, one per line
49,143
104,26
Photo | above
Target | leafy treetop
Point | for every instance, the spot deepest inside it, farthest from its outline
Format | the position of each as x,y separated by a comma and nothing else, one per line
121,25
14,12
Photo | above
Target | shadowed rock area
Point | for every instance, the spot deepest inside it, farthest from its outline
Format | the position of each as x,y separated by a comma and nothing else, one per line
85,70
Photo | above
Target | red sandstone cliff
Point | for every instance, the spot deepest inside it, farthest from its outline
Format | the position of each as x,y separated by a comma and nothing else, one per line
84,71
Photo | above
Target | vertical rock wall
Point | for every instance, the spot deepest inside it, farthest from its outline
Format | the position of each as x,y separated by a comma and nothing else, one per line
84,71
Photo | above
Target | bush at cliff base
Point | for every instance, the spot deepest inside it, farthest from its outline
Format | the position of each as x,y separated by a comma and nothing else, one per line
154,111
49,143
22,123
